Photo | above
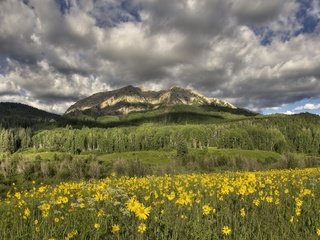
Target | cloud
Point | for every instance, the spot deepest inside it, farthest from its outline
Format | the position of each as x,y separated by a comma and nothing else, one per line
258,11
289,112
308,106
7,87
59,51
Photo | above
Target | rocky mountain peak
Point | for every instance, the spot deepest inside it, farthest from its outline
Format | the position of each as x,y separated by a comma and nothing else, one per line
132,99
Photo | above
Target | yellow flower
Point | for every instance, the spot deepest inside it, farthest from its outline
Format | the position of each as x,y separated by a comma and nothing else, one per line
62,200
183,216
115,228
56,220
65,200
132,204
26,213
17,195
242,212
142,228
96,225
143,212
184,199
299,202
318,232
45,209
256,202
71,234
171,196
226,230
206,209
101,213
42,189
269,199
292,219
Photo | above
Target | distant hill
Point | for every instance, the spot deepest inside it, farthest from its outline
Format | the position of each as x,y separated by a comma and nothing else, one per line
17,114
133,99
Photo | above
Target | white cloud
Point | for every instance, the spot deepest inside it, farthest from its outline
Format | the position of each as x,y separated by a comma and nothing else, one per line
308,106
8,87
289,112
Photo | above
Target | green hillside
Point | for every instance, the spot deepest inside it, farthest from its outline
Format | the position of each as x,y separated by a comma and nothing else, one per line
169,114
21,115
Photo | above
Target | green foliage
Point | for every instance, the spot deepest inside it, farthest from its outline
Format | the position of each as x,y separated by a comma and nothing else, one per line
13,139
20,115
182,148
236,138
285,134
299,133
131,168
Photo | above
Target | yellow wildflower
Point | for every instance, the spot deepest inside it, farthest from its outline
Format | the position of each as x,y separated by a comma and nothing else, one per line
142,212
226,230
96,225
142,228
26,213
171,196
115,228
242,212
206,209
17,195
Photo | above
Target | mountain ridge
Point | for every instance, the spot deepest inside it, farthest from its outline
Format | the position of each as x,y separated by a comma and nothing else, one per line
133,99
18,114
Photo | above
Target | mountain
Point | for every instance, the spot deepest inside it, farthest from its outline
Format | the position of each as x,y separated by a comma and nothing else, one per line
133,99
17,114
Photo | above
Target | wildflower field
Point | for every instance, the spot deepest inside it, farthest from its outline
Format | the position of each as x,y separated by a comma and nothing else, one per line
282,204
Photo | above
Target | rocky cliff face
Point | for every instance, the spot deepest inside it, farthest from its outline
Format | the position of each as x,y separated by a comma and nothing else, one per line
133,99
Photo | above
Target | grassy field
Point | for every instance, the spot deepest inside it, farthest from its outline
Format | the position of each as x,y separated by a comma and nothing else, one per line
157,157
254,154
262,205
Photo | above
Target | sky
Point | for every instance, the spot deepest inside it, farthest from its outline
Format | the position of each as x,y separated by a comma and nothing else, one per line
257,54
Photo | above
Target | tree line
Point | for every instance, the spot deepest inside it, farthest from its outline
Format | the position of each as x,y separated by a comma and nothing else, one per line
279,134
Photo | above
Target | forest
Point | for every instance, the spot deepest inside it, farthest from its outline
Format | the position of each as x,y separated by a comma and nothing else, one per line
300,133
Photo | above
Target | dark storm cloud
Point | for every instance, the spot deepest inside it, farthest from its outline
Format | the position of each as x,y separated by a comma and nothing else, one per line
196,18
257,12
259,94
16,32
60,51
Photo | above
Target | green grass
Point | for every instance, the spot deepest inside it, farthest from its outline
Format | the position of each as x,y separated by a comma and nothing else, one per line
254,154
42,155
159,157
152,157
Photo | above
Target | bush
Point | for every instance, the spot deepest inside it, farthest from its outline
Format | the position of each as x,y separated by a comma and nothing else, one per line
131,168
182,148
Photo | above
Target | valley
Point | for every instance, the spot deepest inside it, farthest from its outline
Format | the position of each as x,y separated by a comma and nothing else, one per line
184,135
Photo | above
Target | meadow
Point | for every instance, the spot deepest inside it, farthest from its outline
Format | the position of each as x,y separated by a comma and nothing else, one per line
274,204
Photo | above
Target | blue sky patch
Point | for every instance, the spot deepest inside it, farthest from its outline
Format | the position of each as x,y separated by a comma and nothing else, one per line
303,16
311,105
